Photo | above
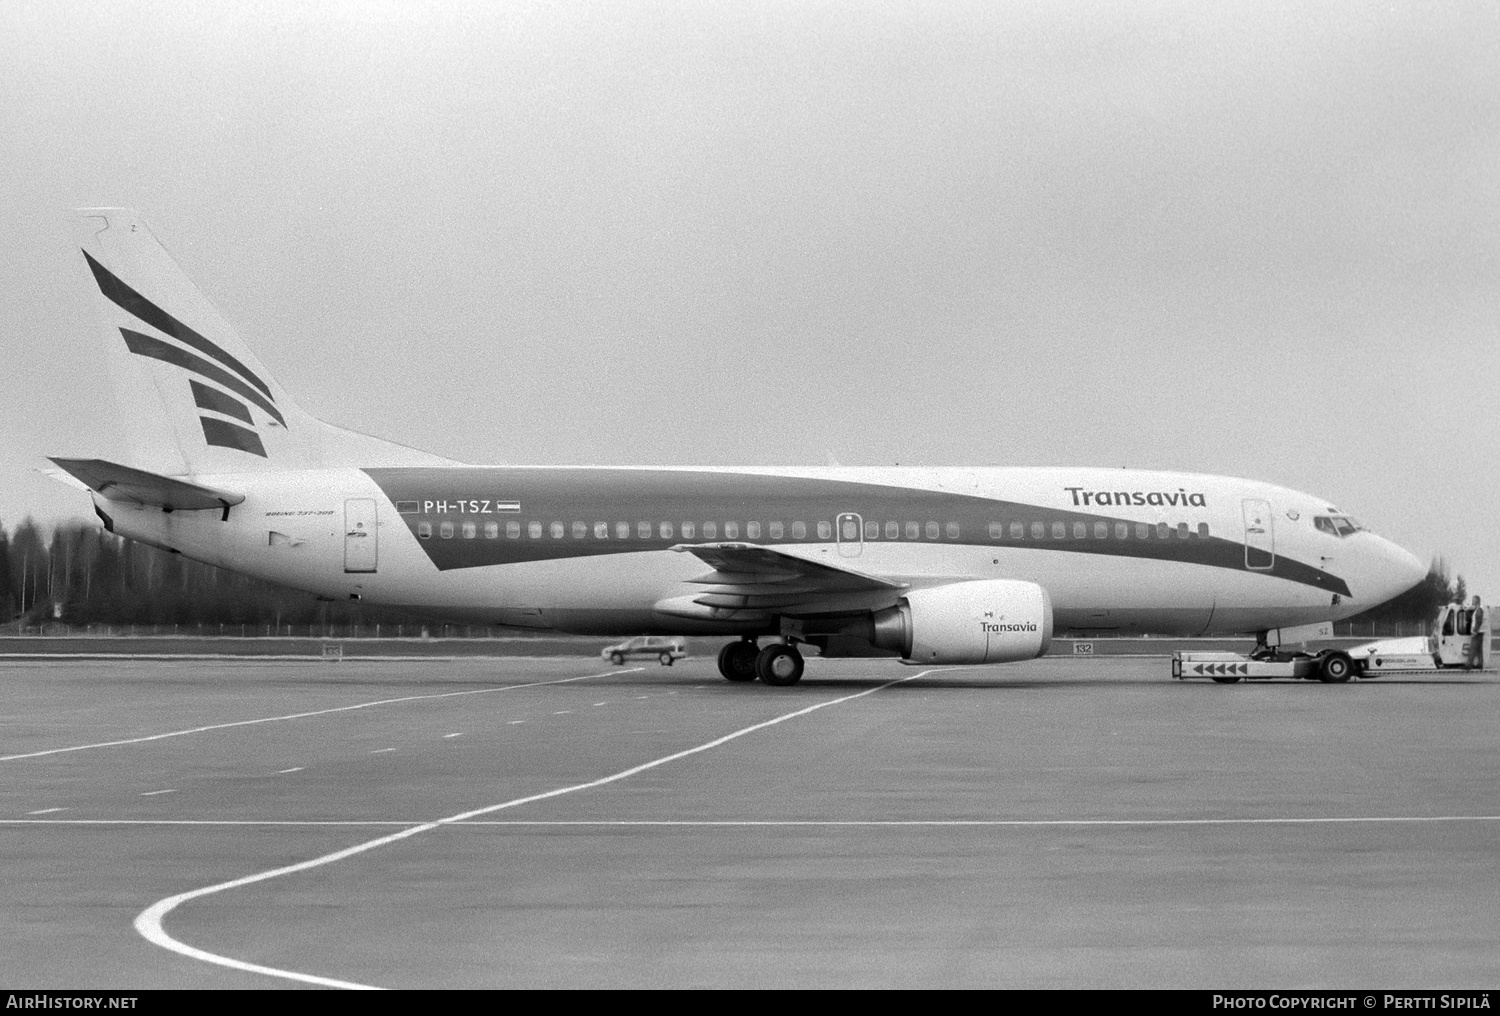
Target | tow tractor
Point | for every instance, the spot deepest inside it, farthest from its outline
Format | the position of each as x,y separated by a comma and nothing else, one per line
1460,641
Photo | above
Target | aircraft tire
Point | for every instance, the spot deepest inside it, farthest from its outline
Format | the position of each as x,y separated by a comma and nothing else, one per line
779,665
1335,668
737,661
616,659
666,659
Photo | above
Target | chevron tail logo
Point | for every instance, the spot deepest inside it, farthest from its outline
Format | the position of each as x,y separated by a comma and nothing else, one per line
1221,668
227,373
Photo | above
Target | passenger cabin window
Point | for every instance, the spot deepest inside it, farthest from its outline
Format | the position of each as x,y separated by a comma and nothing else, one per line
913,530
932,530
424,530
731,530
710,530
1182,530
534,530
752,530
580,531
622,530
777,530
1018,531
1080,530
470,530
1101,530
513,530
825,530
893,530
952,530
492,530
1163,530
557,530
1203,530
1059,531
688,529
1038,531
1142,531
445,530
601,530
1122,531
997,531
799,530
665,531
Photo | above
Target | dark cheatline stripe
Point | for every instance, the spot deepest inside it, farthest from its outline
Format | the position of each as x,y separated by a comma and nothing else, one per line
594,495
136,304
145,345
212,398
227,435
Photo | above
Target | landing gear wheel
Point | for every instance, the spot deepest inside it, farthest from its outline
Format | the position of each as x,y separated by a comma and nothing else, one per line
666,659
616,659
779,665
737,661
1335,668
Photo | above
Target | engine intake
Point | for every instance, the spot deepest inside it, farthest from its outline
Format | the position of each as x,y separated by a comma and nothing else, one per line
984,621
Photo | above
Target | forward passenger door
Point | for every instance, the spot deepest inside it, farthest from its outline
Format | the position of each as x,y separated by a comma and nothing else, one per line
1260,535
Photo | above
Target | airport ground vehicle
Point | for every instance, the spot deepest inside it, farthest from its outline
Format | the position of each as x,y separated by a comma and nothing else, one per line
1461,640
664,650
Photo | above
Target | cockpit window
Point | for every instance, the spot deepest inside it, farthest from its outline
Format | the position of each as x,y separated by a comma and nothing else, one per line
1337,525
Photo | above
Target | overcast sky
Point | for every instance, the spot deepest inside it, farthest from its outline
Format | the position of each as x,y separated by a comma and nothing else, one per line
1245,238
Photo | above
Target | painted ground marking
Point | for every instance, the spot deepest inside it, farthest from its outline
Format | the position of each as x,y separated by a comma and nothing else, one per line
729,823
315,712
149,921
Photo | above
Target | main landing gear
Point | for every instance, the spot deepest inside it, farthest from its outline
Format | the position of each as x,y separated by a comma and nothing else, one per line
778,664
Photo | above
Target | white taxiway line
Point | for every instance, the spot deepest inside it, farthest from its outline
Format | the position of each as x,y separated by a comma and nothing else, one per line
303,716
149,921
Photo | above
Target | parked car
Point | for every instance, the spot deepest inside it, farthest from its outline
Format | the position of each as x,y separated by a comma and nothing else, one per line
665,650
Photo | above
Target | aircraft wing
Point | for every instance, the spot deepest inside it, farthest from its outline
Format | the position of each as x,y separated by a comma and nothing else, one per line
749,582
115,482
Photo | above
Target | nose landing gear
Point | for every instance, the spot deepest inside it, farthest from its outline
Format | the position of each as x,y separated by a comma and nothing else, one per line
778,664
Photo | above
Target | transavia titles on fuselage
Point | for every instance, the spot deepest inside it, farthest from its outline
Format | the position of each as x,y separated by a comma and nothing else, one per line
932,565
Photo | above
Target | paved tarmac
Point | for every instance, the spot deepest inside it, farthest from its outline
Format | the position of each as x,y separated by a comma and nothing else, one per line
1059,823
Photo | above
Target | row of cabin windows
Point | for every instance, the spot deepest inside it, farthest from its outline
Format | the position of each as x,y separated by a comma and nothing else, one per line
1100,530
849,530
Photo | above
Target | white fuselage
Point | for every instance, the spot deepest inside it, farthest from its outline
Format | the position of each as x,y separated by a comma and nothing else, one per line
590,549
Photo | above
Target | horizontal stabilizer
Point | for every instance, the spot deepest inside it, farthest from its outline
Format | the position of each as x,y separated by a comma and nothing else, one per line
136,486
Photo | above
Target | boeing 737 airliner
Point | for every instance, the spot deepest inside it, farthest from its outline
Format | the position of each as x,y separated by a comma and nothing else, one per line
933,566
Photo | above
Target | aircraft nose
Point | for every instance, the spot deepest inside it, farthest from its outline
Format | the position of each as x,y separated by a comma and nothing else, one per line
1399,569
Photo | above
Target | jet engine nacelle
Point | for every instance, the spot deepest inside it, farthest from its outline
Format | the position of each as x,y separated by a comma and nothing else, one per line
984,621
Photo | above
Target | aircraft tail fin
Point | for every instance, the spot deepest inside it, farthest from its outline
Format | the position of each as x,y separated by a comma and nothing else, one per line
194,397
